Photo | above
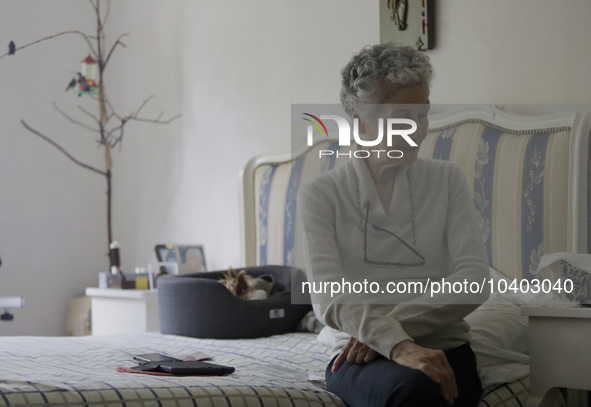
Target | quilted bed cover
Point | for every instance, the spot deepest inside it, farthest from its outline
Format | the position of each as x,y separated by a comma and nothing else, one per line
282,370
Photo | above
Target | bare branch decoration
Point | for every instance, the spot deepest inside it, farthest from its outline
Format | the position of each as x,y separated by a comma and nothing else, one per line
112,109
60,148
94,6
108,139
89,114
106,17
113,49
86,37
144,103
87,127
157,121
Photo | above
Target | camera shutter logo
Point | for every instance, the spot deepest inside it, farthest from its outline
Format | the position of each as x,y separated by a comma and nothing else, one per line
345,133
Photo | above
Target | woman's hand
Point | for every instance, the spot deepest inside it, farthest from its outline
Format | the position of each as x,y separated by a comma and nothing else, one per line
355,352
429,361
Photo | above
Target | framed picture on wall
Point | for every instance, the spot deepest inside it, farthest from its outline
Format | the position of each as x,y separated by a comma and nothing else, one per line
408,22
190,258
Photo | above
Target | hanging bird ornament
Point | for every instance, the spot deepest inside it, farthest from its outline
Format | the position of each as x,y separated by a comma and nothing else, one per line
87,80
11,48
85,87
72,84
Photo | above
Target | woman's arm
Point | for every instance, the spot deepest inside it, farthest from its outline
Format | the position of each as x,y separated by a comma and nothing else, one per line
469,262
317,204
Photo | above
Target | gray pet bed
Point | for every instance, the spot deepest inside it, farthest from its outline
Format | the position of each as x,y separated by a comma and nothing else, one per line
197,305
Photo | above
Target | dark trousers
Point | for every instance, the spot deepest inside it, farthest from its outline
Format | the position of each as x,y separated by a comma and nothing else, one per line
384,383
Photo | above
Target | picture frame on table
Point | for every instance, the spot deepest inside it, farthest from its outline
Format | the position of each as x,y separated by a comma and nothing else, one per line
190,258
166,253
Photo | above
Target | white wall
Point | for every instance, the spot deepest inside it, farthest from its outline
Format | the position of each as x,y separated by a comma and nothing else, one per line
52,212
506,51
232,69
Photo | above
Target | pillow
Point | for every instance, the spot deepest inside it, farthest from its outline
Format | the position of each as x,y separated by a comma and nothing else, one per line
500,333
573,266
580,279
326,337
500,342
310,324
333,339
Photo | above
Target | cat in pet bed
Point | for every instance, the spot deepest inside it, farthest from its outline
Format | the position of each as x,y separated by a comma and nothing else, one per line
246,287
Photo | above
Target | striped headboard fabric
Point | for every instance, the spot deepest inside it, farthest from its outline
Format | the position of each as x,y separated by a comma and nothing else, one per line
519,181
276,186
519,185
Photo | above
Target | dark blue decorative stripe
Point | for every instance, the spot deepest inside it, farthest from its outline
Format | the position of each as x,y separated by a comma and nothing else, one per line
189,393
513,394
257,393
289,395
118,394
38,390
79,393
483,186
500,386
532,200
4,397
221,391
290,210
155,395
491,391
443,144
264,214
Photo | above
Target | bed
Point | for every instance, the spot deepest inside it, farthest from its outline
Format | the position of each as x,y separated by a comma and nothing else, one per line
495,149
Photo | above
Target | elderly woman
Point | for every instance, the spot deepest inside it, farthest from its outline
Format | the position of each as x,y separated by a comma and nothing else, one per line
393,217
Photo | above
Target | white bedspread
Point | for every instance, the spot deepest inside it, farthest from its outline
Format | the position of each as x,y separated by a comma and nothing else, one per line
81,371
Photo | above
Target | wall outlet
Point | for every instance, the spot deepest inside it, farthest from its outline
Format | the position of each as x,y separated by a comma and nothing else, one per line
12,302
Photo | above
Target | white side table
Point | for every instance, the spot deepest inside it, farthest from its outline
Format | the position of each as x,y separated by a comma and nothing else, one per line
116,311
560,353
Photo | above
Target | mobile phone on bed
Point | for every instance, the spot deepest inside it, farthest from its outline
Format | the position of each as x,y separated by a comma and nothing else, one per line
155,357
196,368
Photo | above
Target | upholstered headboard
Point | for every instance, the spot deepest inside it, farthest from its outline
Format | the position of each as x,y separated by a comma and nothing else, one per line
528,175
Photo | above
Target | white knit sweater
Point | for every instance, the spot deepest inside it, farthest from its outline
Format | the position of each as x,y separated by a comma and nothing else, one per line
447,235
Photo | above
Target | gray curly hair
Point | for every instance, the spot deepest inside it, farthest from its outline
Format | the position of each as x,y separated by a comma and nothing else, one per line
396,65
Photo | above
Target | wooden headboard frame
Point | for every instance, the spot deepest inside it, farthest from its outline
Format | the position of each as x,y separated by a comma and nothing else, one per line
576,122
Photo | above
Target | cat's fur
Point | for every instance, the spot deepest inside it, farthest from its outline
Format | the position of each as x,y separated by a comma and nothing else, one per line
246,287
